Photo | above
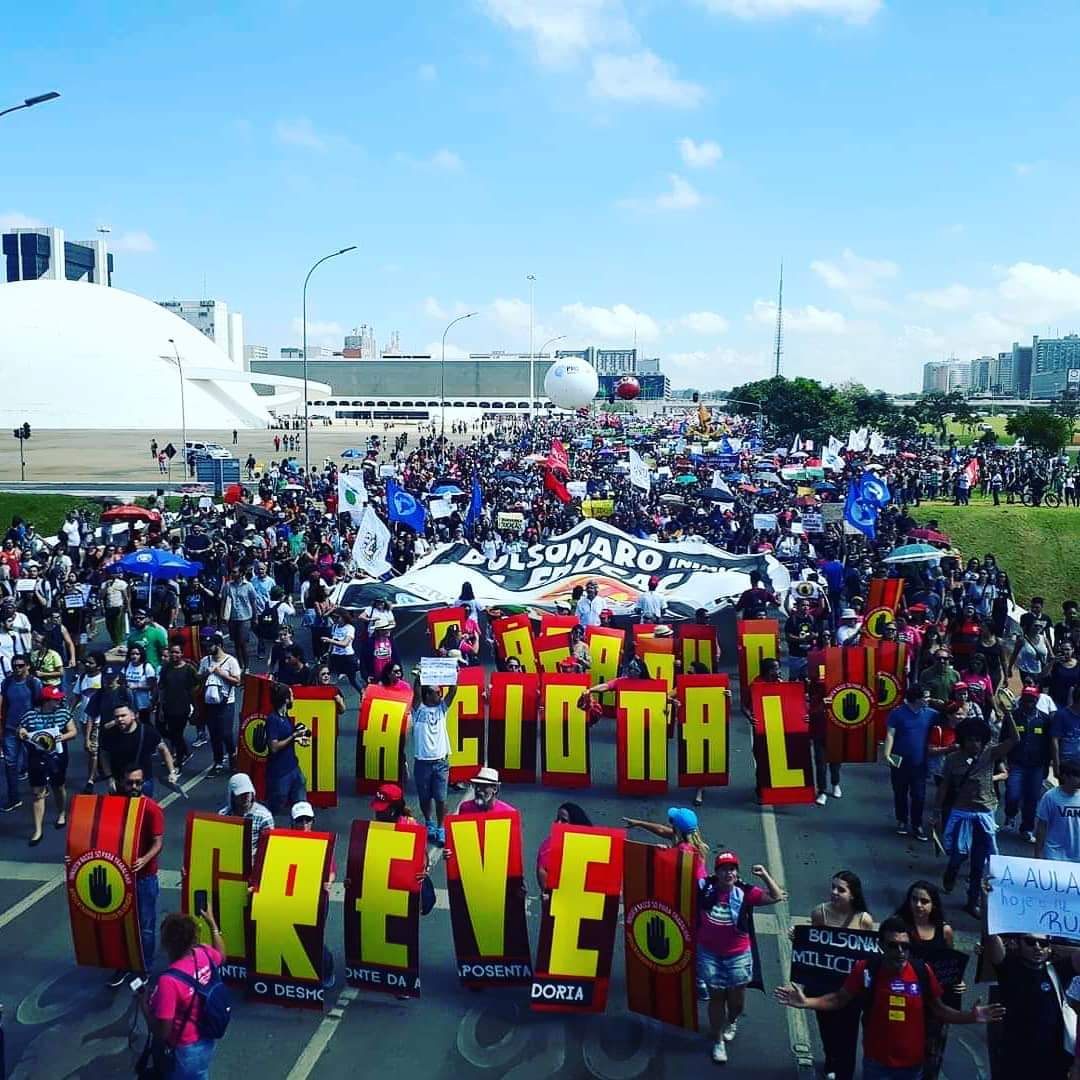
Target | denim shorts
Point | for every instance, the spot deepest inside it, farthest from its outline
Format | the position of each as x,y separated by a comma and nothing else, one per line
432,779
724,972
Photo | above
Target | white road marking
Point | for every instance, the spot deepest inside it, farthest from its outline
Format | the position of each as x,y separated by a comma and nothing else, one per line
309,1056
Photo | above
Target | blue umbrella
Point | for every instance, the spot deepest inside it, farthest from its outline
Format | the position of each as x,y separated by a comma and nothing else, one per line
448,489
824,485
157,563
352,452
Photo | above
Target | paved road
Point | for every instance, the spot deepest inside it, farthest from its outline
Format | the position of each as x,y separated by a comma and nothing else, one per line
62,1021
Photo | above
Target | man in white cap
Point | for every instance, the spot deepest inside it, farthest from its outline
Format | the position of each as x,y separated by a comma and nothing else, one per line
485,800
303,819
849,626
242,803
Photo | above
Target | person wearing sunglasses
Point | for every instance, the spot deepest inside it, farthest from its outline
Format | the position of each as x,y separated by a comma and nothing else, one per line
1038,1035
899,993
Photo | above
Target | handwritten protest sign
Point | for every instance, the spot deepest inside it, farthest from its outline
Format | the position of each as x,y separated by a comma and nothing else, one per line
1034,896
822,956
438,671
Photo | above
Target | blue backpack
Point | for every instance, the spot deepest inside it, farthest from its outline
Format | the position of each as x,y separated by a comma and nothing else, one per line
214,998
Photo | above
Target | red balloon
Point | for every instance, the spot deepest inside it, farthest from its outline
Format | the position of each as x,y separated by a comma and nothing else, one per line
628,388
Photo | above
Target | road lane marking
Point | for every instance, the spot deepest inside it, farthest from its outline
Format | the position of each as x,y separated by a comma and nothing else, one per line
320,1040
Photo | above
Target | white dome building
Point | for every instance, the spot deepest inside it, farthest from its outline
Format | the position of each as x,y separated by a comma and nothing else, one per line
76,355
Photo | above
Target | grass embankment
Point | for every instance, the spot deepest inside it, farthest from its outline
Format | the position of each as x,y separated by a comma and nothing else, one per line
46,512
1039,547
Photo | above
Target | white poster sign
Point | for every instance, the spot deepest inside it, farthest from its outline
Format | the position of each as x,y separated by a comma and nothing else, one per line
438,671
1033,896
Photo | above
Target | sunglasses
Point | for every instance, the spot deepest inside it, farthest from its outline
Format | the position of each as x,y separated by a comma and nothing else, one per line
1034,942
896,946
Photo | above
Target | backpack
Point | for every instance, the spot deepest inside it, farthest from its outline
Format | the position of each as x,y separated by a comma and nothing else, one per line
873,966
214,998
267,624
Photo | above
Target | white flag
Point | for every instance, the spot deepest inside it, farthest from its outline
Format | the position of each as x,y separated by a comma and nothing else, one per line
877,442
717,482
796,445
835,445
372,540
639,471
352,495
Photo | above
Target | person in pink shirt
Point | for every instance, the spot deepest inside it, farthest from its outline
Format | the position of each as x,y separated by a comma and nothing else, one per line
485,800
568,813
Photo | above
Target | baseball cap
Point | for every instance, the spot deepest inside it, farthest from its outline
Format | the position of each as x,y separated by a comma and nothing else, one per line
52,693
302,810
960,686
240,784
682,819
385,796
726,858
1030,691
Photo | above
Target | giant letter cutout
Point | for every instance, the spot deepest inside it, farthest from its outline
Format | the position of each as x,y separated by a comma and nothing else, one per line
658,656
704,725
513,701
465,725
440,620
288,918
697,645
756,640
660,905
641,713
605,651
380,742
882,600
564,732
890,666
551,651
382,906
578,920
217,861
252,751
513,637
781,743
314,706
850,699
102,843
485,879
556,624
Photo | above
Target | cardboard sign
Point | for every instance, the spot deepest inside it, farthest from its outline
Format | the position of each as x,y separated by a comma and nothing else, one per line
850,703
551,651
218,862
1034,896
556,624
697,645
890,667
486,886
513,702
382,906
564,733
380,742
316,709
781,744
605,653
513,637
438,671
252,751
288,918
465,725
510,520
658,656
755,640
440,620
882,600
660,906
813,521
703,732
765,523
102,843
822,956
641,722
578,920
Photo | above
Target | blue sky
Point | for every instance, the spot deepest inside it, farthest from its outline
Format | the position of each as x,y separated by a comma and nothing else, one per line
915,164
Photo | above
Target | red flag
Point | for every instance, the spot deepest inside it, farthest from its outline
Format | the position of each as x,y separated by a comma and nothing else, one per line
556,486
972,470
558,459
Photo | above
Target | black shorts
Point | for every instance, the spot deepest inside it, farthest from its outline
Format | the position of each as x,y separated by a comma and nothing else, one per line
47,770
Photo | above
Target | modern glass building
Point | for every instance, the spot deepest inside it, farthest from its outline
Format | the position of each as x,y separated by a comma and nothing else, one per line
1051,361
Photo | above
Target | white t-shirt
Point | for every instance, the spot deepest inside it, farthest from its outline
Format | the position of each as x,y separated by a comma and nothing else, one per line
343,640
430,739
115,591
1061,814
72,536
218,691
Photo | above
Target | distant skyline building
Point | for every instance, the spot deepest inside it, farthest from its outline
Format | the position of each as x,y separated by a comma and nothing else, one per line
44,254
944,376
212,319
258,352
979,382
1021,369
1052,360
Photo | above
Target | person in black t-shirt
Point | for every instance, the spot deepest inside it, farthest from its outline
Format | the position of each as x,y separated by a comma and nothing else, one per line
125,741
799,633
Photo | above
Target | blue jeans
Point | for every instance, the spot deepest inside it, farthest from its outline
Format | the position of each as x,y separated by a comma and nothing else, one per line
219,725
286,791
1023,790
980,856
146,895
193,1060
871,1070
15,761
909,785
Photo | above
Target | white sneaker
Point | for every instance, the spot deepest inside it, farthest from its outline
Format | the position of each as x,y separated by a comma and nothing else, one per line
822,798
836,792
731,1031
1029,837
719,1052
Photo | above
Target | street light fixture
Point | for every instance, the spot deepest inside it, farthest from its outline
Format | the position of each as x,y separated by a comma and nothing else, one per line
183,407
30,102
442,373
333,254
550,341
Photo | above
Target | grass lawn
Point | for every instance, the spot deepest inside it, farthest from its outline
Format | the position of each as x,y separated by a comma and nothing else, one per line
1039,547
47,511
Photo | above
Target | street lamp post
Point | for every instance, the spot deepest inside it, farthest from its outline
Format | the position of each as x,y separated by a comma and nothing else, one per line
757,405
532,386
550,341
333,254
442,373
30,102
183,410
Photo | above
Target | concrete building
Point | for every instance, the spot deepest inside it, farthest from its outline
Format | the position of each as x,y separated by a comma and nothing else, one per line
213,320
1021,369
1002,380
257,352
315,352
44,254
979,381
1052,360
944,376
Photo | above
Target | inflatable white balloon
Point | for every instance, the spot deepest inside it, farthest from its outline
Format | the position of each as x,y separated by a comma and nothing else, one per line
571,383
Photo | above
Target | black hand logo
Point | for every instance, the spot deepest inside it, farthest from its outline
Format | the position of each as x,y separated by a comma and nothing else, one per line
258,739
882,690
100,890
849,707
656,938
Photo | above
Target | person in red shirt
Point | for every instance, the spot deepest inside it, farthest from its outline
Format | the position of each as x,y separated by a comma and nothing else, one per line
900,994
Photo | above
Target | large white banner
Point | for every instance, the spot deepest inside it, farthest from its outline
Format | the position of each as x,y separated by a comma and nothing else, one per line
1033,896
639,471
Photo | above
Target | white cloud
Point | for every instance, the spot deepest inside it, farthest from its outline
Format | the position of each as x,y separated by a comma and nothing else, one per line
1039,293
433,309
700,155
642,76
453,352
855,11
136,242
806,320
562,30
950,298
301,134
510,315
1026,168
446,161
705,322
321,331
427,73
617,323
717,368
852,273
14,220
682,195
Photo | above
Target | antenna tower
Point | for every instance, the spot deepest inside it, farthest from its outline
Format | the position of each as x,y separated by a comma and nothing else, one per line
780,321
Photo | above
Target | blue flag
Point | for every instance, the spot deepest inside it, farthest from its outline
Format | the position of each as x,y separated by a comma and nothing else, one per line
401,506
860,514
476,501
872,489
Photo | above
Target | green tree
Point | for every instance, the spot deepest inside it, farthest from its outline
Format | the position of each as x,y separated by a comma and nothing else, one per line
791,406
936,408
1042,429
